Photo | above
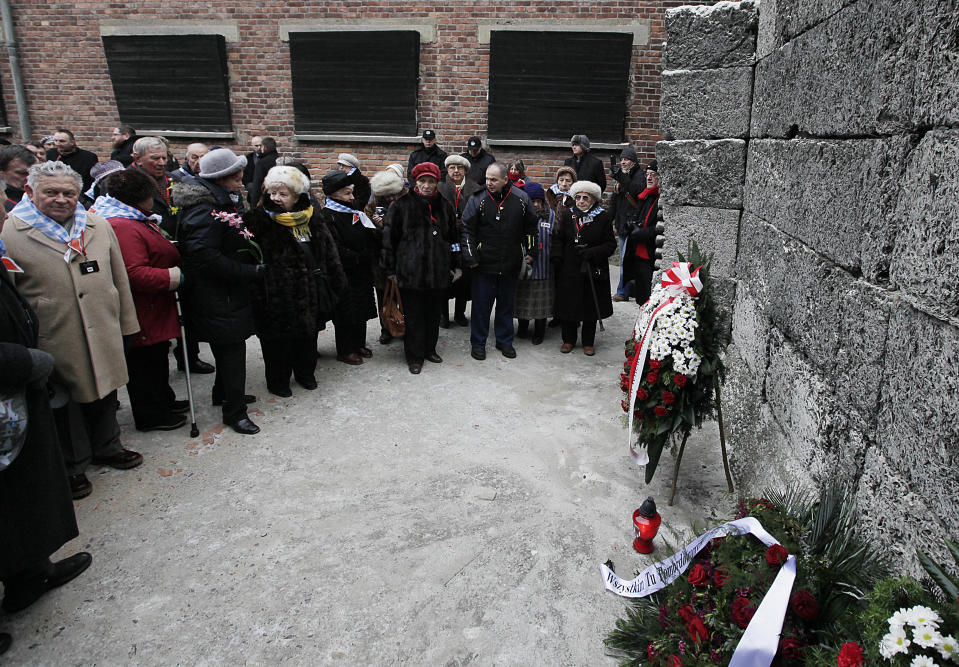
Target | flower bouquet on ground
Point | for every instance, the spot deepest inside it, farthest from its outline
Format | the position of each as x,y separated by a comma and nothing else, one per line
700,618
674,360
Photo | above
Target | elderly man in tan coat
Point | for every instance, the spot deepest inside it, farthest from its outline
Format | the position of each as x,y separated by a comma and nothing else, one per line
74,278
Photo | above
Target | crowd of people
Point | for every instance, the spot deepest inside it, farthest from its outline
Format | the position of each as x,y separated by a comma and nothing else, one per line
99,256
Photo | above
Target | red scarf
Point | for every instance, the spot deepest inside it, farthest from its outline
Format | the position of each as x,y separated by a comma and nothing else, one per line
641,250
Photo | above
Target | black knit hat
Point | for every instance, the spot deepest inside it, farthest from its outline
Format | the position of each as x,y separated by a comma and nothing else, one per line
334,181
630,154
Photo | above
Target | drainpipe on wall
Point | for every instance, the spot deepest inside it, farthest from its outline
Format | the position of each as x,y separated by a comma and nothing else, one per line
25,133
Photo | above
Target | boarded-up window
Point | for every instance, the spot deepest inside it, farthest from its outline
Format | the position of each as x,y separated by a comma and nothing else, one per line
170,82
551,85
355,82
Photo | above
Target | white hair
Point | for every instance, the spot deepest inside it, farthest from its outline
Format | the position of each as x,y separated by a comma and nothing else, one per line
144,144
53,170
291,177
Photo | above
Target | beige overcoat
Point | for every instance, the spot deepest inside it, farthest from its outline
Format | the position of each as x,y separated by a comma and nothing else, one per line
83,316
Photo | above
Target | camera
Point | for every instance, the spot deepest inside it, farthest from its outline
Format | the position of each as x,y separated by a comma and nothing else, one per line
379,211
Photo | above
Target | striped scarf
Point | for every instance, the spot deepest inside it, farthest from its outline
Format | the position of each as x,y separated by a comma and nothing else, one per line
358,216
109,207
73,239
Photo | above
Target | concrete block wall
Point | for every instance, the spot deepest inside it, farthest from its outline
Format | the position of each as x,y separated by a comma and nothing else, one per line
845,355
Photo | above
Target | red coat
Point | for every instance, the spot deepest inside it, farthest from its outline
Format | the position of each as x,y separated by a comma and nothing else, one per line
149,258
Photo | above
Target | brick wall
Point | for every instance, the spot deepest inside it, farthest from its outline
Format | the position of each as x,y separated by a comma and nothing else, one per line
67,81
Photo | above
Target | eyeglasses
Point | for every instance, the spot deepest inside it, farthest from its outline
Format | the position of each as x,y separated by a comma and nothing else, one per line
583,197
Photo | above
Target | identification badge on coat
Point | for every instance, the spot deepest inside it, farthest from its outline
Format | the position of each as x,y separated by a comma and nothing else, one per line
10,265
89,267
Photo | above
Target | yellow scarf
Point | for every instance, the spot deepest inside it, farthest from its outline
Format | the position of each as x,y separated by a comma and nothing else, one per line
298,222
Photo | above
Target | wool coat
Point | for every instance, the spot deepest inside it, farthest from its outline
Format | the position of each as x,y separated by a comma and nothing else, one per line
478,166
588,168
219,263
36,509
448,190
285,302
358,248
623,205
152,265
574,294
433,154
420,242
83,316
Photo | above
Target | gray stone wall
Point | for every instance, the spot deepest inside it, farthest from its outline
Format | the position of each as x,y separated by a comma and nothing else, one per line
814,146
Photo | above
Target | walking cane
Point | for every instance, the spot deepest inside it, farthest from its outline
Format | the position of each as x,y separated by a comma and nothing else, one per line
592,286
194,431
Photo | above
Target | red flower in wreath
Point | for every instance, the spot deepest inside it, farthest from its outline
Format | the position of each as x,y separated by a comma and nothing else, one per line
776,555
697,630
742,612
686,613
652,377
805,605
850,655
791,648
698,576
674,661
680,380
624,406
655,364
660,411
641,394
720,576
651,652
669,397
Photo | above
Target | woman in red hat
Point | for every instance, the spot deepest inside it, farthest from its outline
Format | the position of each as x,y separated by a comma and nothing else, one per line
421,253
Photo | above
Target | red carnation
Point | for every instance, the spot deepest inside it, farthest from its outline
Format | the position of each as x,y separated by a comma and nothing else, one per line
669,397
805,605
654,364
698,576
652,377
776,555
791,648
742,612
720,576
660,411
686,613
850,655
642,394
680,380
674,661
697,630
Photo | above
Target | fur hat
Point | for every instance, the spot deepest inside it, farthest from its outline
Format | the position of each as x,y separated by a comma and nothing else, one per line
221,162
535,191
580,139
569,171
348,159
589,188
425,169
457,159
291,177
398,169
385,183
105,168
335,180
630,154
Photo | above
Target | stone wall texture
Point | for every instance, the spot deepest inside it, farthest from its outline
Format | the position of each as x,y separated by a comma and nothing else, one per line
69,85
813,146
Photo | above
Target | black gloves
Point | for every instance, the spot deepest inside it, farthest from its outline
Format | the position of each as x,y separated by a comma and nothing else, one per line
260,271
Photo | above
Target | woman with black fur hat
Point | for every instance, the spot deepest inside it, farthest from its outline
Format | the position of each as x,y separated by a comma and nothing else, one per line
355,237
302,280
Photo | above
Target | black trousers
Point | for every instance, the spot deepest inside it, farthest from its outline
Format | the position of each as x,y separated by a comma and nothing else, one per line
151,396
283,356
589,332
193,349
422,308
350,335
87,430
642,284
230,382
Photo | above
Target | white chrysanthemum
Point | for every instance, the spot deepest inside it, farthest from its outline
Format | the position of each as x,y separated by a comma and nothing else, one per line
922,661
898,619
893,643
920,615
948,648
926,636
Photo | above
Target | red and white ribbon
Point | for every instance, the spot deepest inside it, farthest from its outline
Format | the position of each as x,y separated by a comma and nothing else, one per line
676,281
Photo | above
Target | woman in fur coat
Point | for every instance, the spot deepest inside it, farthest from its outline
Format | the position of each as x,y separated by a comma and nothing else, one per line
303,277
420,253
582,243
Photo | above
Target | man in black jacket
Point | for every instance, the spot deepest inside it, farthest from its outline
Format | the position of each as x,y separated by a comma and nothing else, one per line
644,236
498,228
624,205
256,143
479,159
124,137
588,167
428,152
267,161
67,151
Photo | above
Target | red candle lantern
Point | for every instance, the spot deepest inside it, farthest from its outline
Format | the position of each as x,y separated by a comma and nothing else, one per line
646,522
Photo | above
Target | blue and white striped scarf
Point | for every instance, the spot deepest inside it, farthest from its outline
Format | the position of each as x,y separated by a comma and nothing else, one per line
31,215
342,208
3,249
110,207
